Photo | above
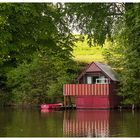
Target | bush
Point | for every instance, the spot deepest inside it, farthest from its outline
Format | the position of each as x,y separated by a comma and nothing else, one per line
41,80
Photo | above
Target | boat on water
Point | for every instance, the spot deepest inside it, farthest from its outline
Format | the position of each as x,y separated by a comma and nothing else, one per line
51,106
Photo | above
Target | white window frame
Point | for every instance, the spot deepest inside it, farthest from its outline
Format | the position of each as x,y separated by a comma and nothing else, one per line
102,80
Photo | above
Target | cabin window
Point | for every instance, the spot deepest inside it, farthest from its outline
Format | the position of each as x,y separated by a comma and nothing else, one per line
89,80
102,80
94,79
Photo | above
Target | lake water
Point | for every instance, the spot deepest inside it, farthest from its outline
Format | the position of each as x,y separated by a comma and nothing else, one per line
77,123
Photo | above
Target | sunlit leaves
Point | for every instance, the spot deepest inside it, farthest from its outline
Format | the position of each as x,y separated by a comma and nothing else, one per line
94,19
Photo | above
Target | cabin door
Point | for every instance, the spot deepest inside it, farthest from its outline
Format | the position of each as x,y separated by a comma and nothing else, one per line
89,80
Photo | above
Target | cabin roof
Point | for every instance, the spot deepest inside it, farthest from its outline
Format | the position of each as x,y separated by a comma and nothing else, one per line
108,70
104,68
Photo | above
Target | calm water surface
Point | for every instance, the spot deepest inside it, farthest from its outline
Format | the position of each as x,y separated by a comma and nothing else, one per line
80,123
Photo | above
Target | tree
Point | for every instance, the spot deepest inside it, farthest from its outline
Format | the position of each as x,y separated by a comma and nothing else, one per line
130,76
124,53
28,30
96,20
45,29
41,80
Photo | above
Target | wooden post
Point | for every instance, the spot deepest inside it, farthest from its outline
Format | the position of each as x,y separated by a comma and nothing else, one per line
65,101
70,102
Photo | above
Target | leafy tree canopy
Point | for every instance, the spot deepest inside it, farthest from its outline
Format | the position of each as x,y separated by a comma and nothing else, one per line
45,30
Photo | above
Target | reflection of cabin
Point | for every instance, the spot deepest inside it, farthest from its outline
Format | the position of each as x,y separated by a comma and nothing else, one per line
86,123
96,87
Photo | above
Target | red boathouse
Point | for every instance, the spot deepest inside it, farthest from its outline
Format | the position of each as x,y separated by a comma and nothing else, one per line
96,88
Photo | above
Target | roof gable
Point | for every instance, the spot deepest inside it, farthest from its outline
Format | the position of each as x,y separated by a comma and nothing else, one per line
96,66
92,68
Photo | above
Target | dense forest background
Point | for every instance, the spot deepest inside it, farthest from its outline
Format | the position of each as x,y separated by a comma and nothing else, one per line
39,51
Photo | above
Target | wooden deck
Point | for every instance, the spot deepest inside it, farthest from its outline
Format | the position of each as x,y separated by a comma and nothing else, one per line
86,89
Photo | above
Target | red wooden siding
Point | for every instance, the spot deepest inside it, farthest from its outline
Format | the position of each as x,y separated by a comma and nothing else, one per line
92,102
85,89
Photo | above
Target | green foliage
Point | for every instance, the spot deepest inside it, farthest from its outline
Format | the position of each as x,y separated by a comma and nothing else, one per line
40,81
36,46
113,54
130,75
124,54
27,28
95,20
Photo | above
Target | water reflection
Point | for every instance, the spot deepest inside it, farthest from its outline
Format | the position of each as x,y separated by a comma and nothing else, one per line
86,123
46,110
78,123
5,121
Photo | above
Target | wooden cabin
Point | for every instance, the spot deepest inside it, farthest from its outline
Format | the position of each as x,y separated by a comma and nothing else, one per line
96,88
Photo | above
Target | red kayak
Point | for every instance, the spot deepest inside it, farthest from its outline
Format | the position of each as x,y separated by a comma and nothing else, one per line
51,106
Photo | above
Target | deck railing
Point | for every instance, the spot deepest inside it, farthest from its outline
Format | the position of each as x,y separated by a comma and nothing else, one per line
85,89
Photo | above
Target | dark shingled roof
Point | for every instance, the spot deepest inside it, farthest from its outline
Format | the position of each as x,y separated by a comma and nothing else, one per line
108,71
104,68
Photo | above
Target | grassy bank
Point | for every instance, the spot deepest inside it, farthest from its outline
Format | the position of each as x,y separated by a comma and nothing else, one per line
82,53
